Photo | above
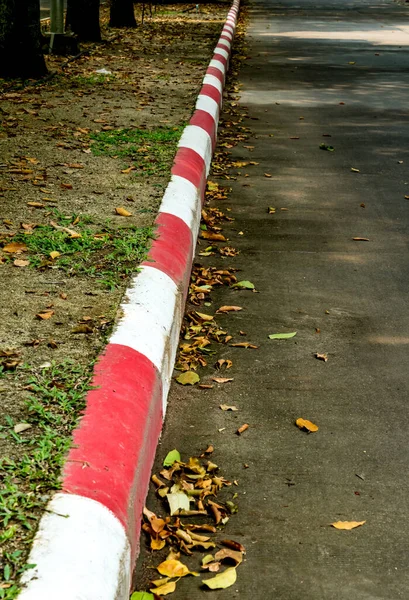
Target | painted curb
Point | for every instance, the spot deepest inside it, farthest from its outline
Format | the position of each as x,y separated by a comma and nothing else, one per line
87,541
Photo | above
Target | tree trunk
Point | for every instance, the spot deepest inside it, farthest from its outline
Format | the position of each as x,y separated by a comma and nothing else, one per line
122,14
20,39
83,19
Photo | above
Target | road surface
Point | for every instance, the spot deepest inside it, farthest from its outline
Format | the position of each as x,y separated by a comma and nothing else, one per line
317,68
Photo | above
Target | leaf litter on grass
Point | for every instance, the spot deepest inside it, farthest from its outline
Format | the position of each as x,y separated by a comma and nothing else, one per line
192,522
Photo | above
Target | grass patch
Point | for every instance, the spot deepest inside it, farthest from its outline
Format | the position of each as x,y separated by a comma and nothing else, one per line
57,397
150,150
108,255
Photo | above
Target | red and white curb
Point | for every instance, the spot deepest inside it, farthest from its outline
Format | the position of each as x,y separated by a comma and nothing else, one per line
87,542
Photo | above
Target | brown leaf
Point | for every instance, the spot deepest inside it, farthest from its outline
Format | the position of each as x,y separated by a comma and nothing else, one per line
347,524
52,344
230,555
306,425
21,263
35,204
123,212
66,186
74,165
244,345
360,239
323,357
267,175
242,429
227,407
20,427
234,545
226,309
44,315
128,170
222,379
15,248
210,235
205,386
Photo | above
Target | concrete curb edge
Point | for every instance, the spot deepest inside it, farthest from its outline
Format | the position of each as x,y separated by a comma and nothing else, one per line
87,541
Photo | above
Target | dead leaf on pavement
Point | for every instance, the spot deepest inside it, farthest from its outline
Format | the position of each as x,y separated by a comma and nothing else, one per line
355,170
347,525
210,235
15,248
306,425
222,379
360,239
226,309
173,568
234,545
229,555
165,589
123,212
227,407
323,357
188,378
267,175
223,580
223,362
244,345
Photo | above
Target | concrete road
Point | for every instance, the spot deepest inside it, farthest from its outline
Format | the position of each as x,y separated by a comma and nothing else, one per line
343,66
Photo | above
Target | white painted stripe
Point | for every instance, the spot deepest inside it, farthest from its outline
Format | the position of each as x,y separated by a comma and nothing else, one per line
148,311
81,552
214,81
199,140
218,64
208,105
222,52
182,200
225,43
229,27
227,33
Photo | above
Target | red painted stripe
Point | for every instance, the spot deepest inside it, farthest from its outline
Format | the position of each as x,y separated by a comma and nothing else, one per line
202,119
114,446
226,37
216,72
190,165
222,47
212,92
172,251
221,58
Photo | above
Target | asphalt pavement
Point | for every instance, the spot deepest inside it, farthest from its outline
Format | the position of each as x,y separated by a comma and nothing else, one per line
337,68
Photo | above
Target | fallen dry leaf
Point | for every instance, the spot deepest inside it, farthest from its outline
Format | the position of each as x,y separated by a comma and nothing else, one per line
354,170
15,248
210,235
188,378
173,568
82,328
267,175
36,204
244,345
20,427
21,263
360,239
226,309
222,379
227,407
166,588
66,186
347,525
230,555
306,425
223,580
123,212
128,170
45,314
323,357
55,254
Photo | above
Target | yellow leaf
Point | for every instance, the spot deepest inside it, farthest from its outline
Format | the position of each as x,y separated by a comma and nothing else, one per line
205,317
223,580
354,170
15,248
359,239
215,237
173,568
157,544
306,425
165,589
225,309
188,378
347,524
123,212
128,170
212,187
55,254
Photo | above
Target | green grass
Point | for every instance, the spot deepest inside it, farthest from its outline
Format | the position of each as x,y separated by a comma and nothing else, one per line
57,397
151,151
108,255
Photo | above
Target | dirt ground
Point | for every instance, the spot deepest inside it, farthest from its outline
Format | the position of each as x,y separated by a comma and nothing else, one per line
76,150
